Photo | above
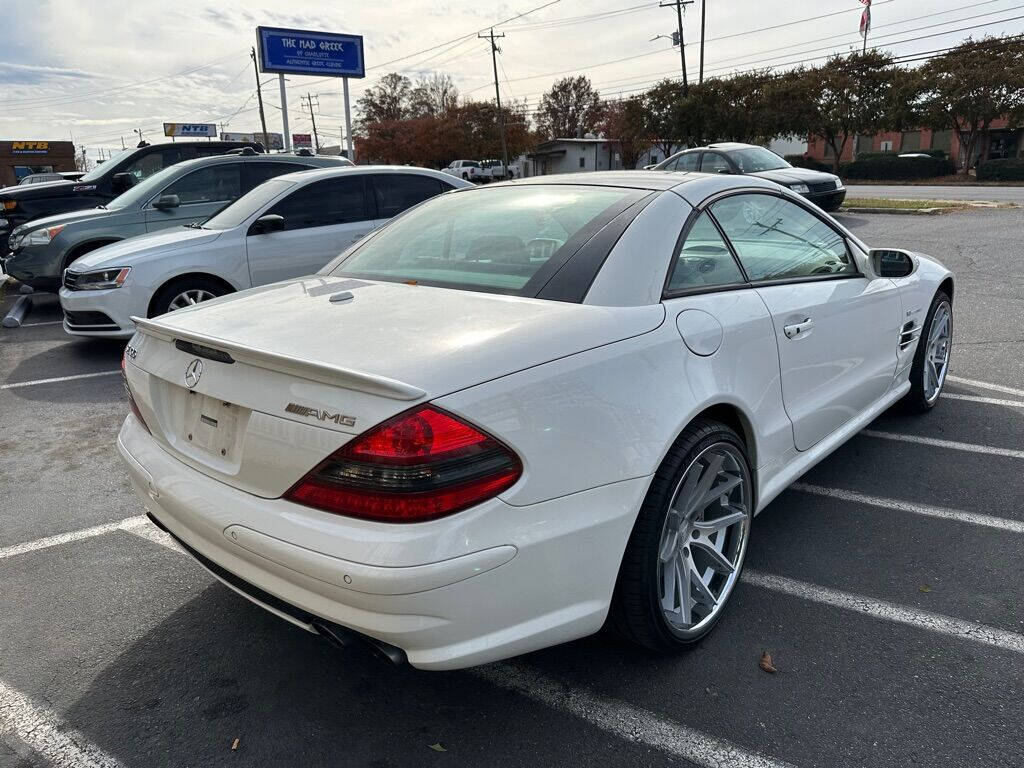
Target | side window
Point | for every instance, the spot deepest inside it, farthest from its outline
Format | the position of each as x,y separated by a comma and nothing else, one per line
151,162
776,239
712,162
323,203
704,259
671,165
395,192
258,172
213,184
688,162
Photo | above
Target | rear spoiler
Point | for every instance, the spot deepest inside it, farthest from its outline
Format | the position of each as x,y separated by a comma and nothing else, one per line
274,361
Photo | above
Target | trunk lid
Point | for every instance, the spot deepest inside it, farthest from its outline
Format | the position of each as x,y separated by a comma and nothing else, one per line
307,373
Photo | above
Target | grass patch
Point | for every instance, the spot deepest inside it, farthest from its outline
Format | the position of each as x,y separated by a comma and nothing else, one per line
891,204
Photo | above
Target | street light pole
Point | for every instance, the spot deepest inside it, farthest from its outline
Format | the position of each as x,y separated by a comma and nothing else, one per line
703,15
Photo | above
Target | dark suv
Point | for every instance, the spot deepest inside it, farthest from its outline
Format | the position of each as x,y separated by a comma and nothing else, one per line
103,183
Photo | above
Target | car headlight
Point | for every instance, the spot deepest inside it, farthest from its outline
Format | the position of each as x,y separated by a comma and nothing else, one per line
102,279
839,183
800,189
42,236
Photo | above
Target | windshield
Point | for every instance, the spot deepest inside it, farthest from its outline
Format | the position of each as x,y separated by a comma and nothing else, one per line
252,202
492,240
757,159
102,168
144,190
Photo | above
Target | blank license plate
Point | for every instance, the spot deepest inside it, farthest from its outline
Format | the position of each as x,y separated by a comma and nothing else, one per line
211,424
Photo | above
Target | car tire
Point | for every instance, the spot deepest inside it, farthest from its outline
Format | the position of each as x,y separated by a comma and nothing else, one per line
925,390
178,294
642,609
465,177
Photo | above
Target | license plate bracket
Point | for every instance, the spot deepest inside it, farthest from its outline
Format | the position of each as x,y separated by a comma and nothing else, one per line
211,425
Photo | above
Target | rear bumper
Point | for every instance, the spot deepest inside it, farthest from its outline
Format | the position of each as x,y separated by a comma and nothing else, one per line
546,577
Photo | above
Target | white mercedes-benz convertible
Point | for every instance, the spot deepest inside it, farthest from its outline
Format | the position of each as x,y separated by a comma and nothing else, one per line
518,413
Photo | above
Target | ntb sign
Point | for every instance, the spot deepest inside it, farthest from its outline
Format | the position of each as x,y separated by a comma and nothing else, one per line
299,52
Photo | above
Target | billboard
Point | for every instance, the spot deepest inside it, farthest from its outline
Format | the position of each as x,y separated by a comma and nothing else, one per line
302,140
268,140
209,130
302,52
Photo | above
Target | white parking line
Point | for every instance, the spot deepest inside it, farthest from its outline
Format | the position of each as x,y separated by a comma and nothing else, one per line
979,399
17,384
934,441
157,536
46,322
627,722
47,734
986,385
128,524
880,609
989,521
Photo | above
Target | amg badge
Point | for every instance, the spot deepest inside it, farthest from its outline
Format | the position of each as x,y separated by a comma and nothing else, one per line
313,413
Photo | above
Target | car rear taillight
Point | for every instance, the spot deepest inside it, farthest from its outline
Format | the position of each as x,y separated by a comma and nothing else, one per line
131,400
419,465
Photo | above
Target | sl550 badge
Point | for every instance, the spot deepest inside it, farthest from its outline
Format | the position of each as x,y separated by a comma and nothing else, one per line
320,414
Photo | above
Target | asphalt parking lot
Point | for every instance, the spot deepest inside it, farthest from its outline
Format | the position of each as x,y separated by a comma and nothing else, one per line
887,588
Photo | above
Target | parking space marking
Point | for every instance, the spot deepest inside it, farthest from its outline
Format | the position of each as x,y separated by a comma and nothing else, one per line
881,609
627,722
128,524
985,385
57,379
45,322
989,521
979,399
154,534
938,443
47,734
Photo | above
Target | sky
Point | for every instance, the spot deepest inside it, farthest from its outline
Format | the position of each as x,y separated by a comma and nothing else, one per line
97,71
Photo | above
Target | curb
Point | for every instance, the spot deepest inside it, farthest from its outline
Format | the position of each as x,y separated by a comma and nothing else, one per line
898,211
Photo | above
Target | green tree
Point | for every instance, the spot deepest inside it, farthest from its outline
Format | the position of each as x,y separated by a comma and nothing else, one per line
666,115
387,101
969,87
854,94
571,108
625,123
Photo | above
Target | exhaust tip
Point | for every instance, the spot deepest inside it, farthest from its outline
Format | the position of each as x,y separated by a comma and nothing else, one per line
343,637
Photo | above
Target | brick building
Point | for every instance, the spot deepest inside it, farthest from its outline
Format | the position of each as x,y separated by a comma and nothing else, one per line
20,158
997,142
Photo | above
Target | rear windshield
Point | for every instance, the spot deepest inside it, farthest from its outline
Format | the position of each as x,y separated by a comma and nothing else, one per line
492,240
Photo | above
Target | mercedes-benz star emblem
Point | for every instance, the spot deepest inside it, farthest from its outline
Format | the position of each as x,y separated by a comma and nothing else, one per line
193,372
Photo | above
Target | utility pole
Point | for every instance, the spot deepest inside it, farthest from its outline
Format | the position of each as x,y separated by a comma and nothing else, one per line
122,143
495,50
308,103
139,132
703,15
682,46
259,98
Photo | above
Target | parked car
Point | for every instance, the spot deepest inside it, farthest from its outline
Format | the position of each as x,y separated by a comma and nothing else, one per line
286,227
41,178
522,412
494,170
469,170
184,193
19,205
825,190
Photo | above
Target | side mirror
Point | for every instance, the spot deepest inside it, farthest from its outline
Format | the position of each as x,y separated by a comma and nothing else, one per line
264,225
723,170
166,202
121,182
891,262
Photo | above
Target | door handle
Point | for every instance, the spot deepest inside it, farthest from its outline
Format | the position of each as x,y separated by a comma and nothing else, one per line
798,329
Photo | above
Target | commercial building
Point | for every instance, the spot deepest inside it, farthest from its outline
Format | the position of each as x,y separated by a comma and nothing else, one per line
21,157
999,141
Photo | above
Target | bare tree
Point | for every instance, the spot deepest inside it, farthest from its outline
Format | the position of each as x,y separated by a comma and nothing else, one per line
571,108
434,96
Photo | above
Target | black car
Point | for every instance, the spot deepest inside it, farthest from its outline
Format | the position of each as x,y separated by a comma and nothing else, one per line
825,190
103,183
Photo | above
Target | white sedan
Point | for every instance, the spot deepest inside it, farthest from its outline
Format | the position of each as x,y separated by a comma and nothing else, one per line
518,413
289,226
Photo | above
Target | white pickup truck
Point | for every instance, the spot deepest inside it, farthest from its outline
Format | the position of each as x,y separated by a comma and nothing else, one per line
493,170
469,170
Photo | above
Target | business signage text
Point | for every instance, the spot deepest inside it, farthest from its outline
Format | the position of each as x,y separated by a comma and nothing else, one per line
30,147
303,52
190,129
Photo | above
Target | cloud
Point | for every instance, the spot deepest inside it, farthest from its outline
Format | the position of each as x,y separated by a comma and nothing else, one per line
31,74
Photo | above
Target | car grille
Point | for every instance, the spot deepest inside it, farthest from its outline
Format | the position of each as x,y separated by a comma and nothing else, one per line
822,186
71,280
89,320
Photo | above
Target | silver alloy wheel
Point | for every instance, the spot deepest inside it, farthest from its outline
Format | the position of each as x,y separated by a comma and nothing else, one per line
936,354
189,298
704,539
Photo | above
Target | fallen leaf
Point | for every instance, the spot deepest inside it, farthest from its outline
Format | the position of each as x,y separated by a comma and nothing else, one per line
437,747
766,663
924,588
234,745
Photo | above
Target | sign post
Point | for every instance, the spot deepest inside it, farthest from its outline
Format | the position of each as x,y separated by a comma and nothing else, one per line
304,52
284,114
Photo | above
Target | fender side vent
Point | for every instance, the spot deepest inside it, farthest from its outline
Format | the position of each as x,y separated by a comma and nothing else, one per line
908,334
